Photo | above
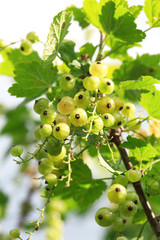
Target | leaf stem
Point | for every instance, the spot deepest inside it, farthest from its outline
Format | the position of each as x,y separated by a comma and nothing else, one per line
141,231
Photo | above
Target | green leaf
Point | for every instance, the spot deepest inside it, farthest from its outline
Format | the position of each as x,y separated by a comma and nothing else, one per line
145,82
139,217
152,11
6,67
58,30
32,79
151,102
67,51
88,48
79,15
118,3
91,9
83,188
139,149
135,10
3,204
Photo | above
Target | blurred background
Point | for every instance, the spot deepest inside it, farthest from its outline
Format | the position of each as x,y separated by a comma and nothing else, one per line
17,18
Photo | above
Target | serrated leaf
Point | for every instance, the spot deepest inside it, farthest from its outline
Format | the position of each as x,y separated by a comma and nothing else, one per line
118,3
32,79
66,51
88,48
145,82
152,11
139,217
91,9
79,15
83,188
58,30
139,149
135,10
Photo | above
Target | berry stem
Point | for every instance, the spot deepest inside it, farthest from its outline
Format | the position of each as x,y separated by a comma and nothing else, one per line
115,135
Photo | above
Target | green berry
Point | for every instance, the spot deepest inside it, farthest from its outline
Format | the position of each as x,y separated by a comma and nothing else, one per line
53,146
78,117
66,105
60,156
45,166
97,124
45,130
121,238
117,193
14,233
99,69
105,105
122,179
32,37
118,120
91,83
26,47
82,99
128,209
62,118
106,86
119,103
132,196
37,133
66,82
48,116
40,105
51,179
108,119
129,109
153,188
133,175
40,153
16,151
104,217
120,224
61,131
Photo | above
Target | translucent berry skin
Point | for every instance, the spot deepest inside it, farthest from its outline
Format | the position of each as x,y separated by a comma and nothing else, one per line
26,47
40,105
120,224
118,120
48,116
67,82
121,238
99,69
153,188
105,105
53,146
108,119
129,109
62,118
82,99
122,179
97,124
14,233
91,83
51,179
128,209
32,37
66,105
60,156
133,175
132,196
117,193
45,166
61,131
40,153
16,151
104,217
106,86
45,130
78,117
119,103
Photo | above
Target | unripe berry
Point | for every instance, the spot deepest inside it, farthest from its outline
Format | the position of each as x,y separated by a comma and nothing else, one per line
26,47
61,131
60,156
99,69
129,109
45,130
82,99
128,209
117,193
40,105
106,86
105,105
66,82
53,146
97,124
120,224
121,238
104,217
32,37
78,117
48,116
14,233
51,179
118,120
119,103
121,179
108,119
62,118
133,175
66,105
45,166
16,151
91,83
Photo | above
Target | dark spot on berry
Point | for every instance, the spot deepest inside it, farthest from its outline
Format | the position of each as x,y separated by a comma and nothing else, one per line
80,96
68,78
128,107
134,168
77,116
136,202
36,101
47,189
93,122
92,105
130,208
59,100
108,83
22,48
108,105
106,116
13,145
117,189
98,62
39,162
60,177
120,108
54,122
41,126
57,129
124,220
119,123
46,182
37,228
45,113
100,216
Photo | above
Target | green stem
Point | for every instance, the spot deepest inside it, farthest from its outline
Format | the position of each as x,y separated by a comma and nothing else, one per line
78,154
141,231
152,25
1,49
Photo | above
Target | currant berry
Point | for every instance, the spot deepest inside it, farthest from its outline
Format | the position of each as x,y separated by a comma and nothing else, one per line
61,131
105,105
51,179
78,117
122,179
16,151
133,175
37,133
45,130
117,193
26,47
82,99
97,124
128,209
62,118
120,224
129,109
60,156
104,217
106,86
118,120
121,238
53,146
67,82
40,153
32,37
45,166
132,196
119,103
66,105
2,43
40,105
48,116
108,119
14,233
153,188
99,69
114,207
91,83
